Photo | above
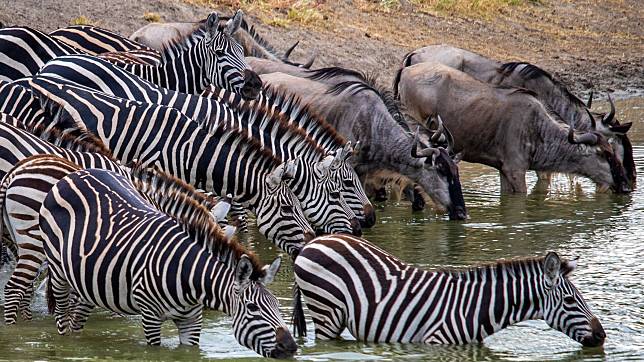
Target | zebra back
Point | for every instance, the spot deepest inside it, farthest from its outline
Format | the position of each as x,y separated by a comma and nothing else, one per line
94,40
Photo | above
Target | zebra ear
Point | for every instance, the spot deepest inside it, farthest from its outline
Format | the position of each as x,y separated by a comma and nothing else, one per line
325,164
274,178
271,271
233,24
552,266
243,271
220,210
212,24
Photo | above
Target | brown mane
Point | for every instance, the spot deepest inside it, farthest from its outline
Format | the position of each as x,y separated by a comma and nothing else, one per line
198,224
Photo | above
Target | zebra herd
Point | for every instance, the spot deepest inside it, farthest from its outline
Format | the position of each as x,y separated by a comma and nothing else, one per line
120,164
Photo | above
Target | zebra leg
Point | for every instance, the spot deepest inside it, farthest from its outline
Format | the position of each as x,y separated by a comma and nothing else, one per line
25,304
189,329
81,312
60,293
14,293
329,322
151,327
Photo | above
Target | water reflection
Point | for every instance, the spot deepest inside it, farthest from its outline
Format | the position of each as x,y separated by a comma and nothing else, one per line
604,230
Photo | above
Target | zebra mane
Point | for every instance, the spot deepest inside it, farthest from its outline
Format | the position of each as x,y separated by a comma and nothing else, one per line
489,270
194,216
215,129
288,103
174,47
531,71
72,138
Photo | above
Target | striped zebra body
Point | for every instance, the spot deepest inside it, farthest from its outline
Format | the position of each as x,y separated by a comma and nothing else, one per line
23,51
106,77
350,283
18,102
225,162
142,261
93,40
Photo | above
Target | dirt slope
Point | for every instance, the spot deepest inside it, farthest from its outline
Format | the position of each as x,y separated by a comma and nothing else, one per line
586,43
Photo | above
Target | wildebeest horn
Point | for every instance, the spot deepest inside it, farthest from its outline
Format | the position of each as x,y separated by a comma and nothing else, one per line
593,124
439,129
608,118
427,152
309,62
589,103
586,138
288,51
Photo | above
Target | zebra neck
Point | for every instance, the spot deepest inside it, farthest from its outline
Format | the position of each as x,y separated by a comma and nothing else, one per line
217,286
183,73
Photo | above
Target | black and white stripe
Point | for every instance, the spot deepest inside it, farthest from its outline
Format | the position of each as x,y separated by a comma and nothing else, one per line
224,162
316,184
348,282
142,261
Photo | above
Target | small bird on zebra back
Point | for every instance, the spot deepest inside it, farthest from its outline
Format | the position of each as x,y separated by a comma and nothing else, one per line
115,250
348,282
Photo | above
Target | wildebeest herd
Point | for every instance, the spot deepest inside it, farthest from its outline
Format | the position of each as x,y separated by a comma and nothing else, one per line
129,164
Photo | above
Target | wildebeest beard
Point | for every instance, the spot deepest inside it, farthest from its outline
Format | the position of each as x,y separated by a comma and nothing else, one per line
628,161
446,166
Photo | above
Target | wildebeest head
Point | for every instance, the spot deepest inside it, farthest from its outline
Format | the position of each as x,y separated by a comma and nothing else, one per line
608,125
438,159
599,145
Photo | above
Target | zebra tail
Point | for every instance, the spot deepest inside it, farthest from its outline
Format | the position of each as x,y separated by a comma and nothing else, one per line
51,301
299,321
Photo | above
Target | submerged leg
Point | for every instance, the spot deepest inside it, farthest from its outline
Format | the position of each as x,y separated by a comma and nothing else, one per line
81,312
151,327
189,330
513,182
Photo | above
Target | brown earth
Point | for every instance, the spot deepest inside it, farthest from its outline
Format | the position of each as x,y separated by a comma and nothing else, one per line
587,44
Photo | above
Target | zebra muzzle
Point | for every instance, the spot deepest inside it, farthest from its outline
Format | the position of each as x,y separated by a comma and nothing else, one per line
252,85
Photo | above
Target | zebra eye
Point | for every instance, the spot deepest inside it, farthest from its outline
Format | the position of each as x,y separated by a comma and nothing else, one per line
569,299
252,307
335,194
347,183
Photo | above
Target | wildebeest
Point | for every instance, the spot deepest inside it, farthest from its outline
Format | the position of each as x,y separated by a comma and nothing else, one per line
358,112
548,89
507,128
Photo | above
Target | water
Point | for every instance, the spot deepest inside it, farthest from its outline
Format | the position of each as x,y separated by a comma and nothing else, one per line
604,230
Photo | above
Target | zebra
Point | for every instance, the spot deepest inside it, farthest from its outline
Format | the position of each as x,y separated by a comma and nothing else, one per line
223,162
348,282
317,188
142,261
209,55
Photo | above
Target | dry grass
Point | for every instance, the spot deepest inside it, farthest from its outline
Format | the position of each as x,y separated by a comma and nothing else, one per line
280,13
81,20
152,17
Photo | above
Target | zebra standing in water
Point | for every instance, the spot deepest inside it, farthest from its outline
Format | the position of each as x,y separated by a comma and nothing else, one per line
142,261
348,282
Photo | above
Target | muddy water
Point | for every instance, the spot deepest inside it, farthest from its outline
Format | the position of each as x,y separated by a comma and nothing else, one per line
605,231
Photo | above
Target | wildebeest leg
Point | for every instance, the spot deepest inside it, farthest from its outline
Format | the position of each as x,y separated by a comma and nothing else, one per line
380,194
543,182
513,182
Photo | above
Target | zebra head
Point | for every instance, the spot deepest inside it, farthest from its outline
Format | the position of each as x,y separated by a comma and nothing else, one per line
257,322
279,214
225,65
352,190
564,309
